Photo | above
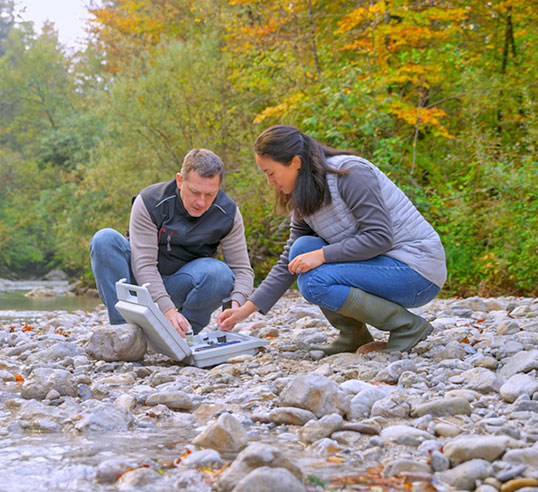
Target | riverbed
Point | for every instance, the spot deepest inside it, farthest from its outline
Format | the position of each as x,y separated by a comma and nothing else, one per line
352,422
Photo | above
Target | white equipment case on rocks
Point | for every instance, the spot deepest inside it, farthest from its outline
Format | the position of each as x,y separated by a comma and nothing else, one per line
207,349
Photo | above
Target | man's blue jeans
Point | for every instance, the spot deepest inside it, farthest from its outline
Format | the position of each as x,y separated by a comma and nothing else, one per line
328,285
196,289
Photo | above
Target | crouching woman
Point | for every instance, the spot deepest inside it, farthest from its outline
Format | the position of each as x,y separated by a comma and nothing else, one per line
358,247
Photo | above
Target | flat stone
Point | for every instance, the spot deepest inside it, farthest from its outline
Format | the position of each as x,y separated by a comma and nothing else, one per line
290,415
405,465
524,361
176,400
446,430
324,427
404,434
443,407
464,476
208,458
268,479
358,427
527,456
484,447
481,380
518,484
508,327
517,385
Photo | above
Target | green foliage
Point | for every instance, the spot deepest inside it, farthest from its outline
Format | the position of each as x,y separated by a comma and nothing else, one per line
441,97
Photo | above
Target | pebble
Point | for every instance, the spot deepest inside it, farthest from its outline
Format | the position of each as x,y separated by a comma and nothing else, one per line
459,411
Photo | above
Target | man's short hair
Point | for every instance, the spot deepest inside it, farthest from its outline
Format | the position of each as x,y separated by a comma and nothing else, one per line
206,163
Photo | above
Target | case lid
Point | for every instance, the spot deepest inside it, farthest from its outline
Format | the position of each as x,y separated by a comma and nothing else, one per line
137,307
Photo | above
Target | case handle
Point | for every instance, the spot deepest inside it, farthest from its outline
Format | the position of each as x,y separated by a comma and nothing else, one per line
133,293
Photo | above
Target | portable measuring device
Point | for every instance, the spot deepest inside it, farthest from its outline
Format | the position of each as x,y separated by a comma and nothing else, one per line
206,349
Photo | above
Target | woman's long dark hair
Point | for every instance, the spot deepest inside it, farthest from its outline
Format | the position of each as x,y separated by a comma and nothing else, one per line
282,143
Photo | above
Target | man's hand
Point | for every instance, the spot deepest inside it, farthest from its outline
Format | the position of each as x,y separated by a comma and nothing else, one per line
306,262
230,317
178,321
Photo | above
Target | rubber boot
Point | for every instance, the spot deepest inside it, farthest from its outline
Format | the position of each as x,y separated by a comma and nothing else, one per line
406,329
352,335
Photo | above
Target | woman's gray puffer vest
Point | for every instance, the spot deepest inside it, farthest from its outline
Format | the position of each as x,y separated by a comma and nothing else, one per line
415,241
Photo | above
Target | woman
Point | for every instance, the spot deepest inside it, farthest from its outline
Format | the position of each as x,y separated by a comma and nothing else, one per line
358,247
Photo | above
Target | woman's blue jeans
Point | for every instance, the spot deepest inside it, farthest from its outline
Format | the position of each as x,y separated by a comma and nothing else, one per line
196,289
328,285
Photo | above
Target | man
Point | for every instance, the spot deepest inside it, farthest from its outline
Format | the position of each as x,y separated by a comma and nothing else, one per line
174,232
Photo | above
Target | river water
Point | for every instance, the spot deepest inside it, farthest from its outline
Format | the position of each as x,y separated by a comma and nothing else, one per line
15,305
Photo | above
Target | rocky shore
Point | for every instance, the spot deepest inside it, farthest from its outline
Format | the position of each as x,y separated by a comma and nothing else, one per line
458,413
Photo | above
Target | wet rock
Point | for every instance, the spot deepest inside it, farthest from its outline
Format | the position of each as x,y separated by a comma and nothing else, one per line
256,455
102,417
35,416
208,458
117,343
224,435
137,478
125,401
109,470
268,479
316,393
42,380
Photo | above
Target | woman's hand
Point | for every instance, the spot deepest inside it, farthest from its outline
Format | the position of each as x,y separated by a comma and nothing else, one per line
306,262
229,318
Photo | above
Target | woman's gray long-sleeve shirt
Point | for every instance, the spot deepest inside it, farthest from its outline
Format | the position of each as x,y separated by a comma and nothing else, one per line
361,192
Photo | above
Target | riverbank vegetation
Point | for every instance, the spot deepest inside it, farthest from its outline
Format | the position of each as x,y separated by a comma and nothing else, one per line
442,96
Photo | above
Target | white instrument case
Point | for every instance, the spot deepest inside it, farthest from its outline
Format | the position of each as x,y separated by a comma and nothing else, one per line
207,349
